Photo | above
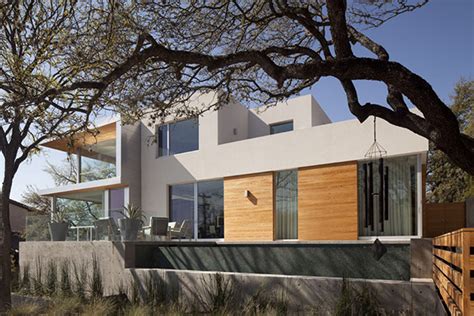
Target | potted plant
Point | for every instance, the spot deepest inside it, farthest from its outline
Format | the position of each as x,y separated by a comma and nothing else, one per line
132,223
58,226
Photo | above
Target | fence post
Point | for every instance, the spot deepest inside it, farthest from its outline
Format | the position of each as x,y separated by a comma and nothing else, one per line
466,271
469,207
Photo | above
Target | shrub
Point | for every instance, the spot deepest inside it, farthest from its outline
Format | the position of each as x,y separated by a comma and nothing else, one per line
218,294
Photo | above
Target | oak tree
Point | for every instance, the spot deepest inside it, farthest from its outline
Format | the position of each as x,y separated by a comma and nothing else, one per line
58,63
265,51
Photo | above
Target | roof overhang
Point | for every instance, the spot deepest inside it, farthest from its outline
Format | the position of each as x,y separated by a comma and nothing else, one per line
84,139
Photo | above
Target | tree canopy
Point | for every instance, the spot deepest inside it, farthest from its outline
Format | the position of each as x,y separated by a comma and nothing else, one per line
447,182
265,51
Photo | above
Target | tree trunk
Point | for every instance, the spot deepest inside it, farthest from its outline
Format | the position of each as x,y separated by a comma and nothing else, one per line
5,235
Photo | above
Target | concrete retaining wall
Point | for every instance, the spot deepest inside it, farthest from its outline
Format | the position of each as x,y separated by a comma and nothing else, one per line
349,260
317,293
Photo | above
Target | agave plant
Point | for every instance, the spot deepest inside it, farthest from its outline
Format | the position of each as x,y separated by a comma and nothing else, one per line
59,216
133,212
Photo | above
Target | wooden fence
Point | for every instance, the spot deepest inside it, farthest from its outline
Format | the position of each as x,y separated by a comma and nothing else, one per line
453,260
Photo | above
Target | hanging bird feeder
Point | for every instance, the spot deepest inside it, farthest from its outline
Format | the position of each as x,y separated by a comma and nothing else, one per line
376,151
375,160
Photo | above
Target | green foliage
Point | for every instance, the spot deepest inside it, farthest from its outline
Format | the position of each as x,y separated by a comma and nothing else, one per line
446,182
59,216
218,294
38,278
133,212
97,287
353,302
65,280
80,280
51,279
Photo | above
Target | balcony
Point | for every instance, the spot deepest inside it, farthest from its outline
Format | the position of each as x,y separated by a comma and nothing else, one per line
94,154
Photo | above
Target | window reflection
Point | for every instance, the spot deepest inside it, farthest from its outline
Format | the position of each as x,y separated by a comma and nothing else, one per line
211,209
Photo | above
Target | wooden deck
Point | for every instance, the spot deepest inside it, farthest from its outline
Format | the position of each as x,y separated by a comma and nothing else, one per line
453,260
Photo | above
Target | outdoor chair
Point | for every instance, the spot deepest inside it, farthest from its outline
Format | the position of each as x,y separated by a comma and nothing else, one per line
158,227
182,231
106,229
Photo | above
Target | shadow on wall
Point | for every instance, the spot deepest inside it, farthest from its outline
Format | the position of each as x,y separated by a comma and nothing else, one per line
350,261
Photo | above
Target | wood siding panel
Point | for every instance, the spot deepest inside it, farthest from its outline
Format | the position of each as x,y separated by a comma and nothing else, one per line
327,202
105,132
248,218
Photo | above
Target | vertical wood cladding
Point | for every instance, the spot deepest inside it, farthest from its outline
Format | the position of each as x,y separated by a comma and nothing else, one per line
251,217
327,202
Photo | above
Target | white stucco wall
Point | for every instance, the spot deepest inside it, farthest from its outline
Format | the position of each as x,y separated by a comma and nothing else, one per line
130,175
232,118
323,144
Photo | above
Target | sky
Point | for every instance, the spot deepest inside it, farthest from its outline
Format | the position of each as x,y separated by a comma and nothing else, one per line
436,42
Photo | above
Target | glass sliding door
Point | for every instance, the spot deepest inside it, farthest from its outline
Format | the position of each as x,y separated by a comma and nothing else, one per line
286,204
182,204
388,199
211,209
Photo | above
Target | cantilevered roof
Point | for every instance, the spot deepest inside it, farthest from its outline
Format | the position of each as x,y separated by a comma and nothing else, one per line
105,132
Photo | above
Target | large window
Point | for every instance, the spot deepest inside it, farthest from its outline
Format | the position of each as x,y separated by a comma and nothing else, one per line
286,204
201,204
281,127
388,200
178,137
97,161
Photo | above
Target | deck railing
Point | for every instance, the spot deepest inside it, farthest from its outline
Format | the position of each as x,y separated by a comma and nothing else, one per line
453,260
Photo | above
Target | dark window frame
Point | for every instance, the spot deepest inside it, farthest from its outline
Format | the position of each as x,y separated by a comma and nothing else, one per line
165,137
279,124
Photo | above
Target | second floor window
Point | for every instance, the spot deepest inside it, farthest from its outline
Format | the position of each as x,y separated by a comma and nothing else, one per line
281,127
178,137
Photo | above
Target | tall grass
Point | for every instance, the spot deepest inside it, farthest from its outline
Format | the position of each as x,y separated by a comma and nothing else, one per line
97,287
353,302
38,278
65,286
217,295
25,280
155,294
51,279
80,279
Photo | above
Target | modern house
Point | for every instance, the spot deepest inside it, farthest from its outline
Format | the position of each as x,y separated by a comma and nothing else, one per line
238,174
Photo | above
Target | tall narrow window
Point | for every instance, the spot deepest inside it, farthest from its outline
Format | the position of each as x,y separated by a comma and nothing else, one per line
182,205
178,137
116,203
388,197
211,209
286,204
